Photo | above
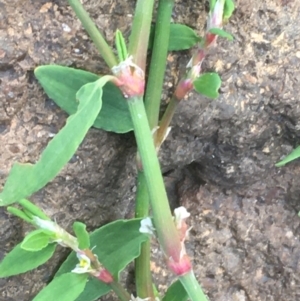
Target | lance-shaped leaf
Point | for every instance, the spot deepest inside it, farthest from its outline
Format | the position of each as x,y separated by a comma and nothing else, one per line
221,33
208,84
66,287
25,179
116,245
62,83
182,37
176,292
19,261
295,154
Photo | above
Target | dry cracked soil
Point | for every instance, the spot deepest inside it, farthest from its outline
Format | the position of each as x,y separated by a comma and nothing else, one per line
218,160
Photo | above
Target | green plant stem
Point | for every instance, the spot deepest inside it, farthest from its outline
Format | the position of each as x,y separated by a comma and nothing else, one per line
192,287
165,121
167,233
94,33
143,277
120,291
139,38
142,207
158,61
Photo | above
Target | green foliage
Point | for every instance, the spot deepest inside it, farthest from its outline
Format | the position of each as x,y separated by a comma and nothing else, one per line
208,84
116,245
295,154
66,287
19,213
221,33
182,37
62,83
35,241
33,209
82,235
176,292
25,179
19,261
228,9
121,46
212,4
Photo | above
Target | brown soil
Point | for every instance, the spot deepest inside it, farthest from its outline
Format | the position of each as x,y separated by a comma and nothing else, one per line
218,160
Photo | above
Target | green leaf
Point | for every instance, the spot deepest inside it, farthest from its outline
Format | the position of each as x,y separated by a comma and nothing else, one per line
212,4
295,154
176,292
121,46
61,84
35,240
66,287
116,245
182,37
228,9
221,33
33,209
19,261
208,84
19,213
82,235
25,179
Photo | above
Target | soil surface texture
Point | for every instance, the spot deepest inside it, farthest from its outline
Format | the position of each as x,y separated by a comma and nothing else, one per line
218,160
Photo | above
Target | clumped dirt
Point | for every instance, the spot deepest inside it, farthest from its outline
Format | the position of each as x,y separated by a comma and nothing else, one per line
218,160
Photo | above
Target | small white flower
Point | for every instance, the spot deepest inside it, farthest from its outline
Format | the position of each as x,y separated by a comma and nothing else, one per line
180,215
147,226
84,265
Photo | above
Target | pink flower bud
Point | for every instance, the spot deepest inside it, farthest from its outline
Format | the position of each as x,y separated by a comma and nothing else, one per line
215,20
182,267
131,78
105,276
183,88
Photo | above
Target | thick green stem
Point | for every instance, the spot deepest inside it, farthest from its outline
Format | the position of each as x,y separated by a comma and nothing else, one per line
153,96
167,233
143,277
94,33
120,291
158,61
139,38
192,287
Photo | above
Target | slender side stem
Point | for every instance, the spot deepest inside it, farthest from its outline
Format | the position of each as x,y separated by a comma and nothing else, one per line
143,277
192,287
94,33
158,61
120,291
142,207
165,121
139,38
166,230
